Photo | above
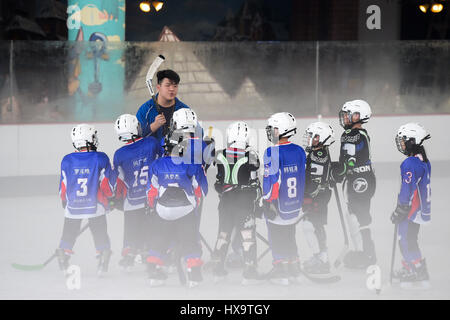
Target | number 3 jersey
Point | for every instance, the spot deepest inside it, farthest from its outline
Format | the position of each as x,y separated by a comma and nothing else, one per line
87,181
415,190
132,163
284,180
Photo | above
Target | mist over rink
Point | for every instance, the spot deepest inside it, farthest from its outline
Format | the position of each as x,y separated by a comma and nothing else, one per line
31,227
235,81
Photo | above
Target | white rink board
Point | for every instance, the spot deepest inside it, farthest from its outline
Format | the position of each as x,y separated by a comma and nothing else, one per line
30,150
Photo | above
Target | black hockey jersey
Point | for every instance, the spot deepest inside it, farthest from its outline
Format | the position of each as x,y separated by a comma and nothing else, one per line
236,169
355,158
317,172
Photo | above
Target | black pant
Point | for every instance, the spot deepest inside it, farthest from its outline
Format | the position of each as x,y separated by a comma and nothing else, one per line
182,232
282,241
360,190
135,229
236,212
98,229
318,216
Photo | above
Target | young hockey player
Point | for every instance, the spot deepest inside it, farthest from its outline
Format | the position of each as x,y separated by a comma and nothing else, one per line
238,187
132,163
86,185
283,190
184,126
174,191
355,169
318,137
413,204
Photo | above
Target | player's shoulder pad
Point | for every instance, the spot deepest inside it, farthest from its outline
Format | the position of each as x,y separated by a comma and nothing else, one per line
410,163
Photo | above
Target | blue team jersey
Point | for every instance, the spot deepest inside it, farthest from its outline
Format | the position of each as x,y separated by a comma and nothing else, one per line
416,189
175,187
87,181
132,163
284,178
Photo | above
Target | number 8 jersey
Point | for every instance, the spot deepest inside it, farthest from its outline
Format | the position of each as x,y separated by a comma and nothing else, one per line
284,180
87,181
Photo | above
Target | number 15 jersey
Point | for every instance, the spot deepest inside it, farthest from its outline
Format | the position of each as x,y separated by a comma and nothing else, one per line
132,163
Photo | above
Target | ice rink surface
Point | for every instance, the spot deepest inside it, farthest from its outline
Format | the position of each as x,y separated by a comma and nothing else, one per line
30,229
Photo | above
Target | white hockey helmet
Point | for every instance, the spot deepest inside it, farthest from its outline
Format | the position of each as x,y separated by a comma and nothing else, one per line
127,127
324,133
184,120
410,135
84,135
238,135
284,122
352,107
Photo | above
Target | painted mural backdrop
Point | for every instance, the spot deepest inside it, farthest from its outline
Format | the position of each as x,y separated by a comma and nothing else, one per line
96,75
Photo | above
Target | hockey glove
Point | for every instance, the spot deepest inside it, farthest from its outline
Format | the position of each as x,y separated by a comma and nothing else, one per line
400,213
337,172
269,211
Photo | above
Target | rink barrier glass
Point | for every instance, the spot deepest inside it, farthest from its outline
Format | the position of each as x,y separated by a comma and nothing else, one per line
54,82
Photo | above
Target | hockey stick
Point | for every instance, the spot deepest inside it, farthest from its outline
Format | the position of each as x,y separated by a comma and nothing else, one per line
148,79
338,261
202,239
260,237
393,253
36,267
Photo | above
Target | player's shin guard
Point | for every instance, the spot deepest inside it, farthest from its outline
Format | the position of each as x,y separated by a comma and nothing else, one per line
311,238
355,232
103,261
194,266
368,245
219,255
63,256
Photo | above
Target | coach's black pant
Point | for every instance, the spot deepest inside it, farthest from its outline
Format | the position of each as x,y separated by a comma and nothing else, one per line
98,229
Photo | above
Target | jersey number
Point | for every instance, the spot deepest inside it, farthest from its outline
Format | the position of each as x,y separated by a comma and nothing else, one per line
292,187
318,171
143,176
83,186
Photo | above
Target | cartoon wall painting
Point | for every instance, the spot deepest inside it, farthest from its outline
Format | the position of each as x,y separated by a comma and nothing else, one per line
95,77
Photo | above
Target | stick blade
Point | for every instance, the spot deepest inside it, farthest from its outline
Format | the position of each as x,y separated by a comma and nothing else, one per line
28,267
153,67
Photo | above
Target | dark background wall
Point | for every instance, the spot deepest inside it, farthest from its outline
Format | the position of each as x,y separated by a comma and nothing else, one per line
239,20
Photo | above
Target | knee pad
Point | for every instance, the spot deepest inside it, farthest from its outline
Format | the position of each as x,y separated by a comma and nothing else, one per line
311,238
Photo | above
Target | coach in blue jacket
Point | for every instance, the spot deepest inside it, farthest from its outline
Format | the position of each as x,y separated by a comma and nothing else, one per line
156,124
